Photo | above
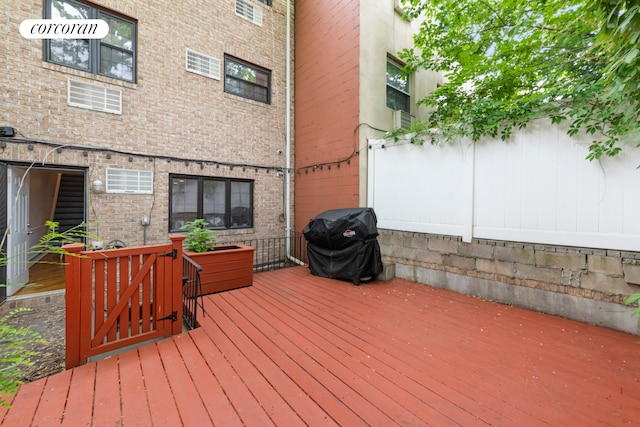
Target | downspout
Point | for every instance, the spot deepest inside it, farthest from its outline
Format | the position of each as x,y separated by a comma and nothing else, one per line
287,126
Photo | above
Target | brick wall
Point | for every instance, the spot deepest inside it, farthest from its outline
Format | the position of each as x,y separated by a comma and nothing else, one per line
589,285
327,106
166,112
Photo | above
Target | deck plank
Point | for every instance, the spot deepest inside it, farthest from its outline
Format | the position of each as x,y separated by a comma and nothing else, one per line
51,408
383,392
135,409
78,410
161,402
25,404
243,360
265,329
249,409
216,402
188,401
106,403
294,348
251,342
377,334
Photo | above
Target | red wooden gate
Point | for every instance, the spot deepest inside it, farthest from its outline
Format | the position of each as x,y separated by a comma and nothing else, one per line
120,297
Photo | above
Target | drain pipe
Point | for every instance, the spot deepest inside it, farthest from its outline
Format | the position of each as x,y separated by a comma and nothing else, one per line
287,125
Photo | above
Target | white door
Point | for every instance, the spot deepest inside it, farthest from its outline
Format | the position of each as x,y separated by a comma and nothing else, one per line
18,221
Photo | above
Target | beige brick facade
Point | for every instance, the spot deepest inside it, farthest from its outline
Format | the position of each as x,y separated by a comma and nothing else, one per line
172,121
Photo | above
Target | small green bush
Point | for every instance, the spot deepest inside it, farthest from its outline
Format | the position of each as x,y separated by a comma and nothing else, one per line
198,238
14,356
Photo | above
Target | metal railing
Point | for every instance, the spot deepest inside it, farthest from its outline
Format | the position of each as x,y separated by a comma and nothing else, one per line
191,290
271,252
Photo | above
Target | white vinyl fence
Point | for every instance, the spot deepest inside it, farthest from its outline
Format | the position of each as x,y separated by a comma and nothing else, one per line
536,188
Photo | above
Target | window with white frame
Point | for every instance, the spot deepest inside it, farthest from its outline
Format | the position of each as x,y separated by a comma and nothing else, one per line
398,94
113,56
224,203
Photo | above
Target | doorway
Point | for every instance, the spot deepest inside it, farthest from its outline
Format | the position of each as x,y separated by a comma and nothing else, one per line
32,197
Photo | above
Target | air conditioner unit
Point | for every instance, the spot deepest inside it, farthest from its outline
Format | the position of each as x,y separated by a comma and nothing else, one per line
402,119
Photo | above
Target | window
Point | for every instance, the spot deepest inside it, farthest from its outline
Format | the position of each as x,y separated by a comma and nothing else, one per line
247,81
267,2
397,87
113,56
224,203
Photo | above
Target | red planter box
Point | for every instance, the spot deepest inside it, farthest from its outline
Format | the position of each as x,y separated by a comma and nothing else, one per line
229,266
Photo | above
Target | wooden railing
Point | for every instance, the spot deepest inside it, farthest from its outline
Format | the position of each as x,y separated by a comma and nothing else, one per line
116,298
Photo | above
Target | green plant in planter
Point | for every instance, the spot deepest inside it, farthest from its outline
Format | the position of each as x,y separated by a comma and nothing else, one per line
198,238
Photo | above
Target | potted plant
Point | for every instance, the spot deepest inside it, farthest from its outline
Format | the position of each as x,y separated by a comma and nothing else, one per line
224,266
198,237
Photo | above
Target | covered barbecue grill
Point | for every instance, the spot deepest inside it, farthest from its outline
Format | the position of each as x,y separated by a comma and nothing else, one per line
342,245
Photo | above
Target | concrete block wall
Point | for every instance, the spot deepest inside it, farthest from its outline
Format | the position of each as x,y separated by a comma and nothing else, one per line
589,285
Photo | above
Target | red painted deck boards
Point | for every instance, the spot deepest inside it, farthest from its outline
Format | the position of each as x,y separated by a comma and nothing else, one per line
295,349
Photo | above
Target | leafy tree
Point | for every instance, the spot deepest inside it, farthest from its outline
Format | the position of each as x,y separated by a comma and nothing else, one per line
508,62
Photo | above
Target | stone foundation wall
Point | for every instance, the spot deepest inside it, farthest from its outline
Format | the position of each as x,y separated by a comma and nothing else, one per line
589,285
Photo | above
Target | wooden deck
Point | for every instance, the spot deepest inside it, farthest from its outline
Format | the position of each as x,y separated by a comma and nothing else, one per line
295,349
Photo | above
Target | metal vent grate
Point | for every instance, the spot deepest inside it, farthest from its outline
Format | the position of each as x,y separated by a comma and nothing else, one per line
246,10
402,119
203,64
129,181
94,97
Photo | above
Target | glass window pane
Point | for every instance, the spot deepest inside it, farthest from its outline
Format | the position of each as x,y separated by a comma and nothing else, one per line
184,201
396,78
232,85
65,10
397,100
115,63
70,52
214,203
120,33
240,71
241,204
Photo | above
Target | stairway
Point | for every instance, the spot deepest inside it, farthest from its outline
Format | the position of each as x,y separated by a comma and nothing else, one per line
70,204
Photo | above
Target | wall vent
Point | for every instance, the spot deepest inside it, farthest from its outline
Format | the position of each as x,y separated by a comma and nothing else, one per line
248,11
129,181
402,119
202,64
94,97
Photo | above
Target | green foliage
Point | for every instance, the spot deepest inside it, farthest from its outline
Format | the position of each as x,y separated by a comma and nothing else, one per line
51,243
508,62
198,237
13,354
634,299
14,357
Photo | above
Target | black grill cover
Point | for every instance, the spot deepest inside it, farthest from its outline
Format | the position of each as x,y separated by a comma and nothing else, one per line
342,245
341,227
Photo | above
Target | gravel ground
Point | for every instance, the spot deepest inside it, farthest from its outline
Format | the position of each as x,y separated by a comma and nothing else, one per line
49,322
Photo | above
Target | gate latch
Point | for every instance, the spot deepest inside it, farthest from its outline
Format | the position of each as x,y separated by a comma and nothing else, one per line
173,316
